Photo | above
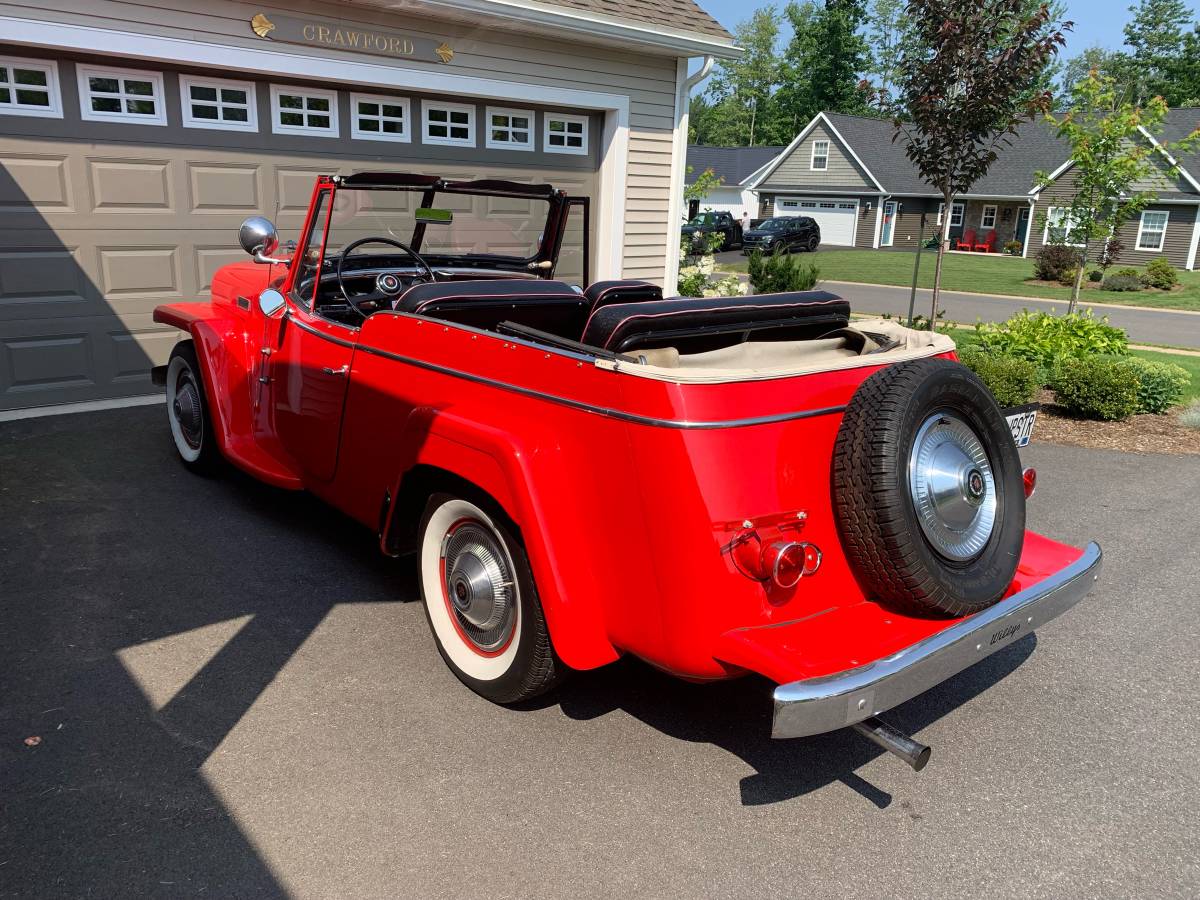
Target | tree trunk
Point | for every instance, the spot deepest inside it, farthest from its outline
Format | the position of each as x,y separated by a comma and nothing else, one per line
943,237
1079,279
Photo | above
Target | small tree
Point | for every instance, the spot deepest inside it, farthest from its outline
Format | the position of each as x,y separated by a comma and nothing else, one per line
963,87
1110,154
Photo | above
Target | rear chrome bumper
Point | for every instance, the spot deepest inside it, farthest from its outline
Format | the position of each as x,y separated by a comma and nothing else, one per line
817,705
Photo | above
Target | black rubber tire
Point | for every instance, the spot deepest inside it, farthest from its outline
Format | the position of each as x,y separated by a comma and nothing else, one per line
876,517
535,667
208,458
812,244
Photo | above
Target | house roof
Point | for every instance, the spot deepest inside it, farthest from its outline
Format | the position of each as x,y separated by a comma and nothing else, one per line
1178,125
684,15
733,164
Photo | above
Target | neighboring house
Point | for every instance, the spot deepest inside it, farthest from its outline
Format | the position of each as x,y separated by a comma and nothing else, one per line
737,167
848,174
136,136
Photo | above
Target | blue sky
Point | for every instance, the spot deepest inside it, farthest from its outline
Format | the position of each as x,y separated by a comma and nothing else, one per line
1096,21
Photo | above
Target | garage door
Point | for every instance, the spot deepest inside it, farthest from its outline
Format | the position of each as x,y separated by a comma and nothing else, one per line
838,218
100,221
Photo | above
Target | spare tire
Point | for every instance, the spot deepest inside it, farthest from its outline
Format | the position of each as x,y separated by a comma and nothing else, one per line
927,489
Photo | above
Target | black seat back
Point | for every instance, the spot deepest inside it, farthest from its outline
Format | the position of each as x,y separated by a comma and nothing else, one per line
606,293
550,306
709,323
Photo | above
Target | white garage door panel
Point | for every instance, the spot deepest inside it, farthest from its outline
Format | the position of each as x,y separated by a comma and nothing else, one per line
837,216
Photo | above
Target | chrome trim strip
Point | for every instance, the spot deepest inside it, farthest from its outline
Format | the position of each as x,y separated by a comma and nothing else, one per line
817,705
608,412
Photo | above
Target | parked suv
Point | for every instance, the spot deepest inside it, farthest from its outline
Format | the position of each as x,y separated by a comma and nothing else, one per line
783,234
710,222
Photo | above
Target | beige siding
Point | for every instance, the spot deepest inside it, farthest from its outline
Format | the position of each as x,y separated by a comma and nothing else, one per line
480,51
795,170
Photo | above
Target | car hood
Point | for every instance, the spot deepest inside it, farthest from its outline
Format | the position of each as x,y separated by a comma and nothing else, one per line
760,233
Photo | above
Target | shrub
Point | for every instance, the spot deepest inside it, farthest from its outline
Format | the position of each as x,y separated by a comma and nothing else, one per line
1013,248
1160,274
1012,380
1128,270
1191,416
1160,385
1053,259
1121,283
1067,276
1043,338
1111,252
780,272
692,284
1098,387
1095,275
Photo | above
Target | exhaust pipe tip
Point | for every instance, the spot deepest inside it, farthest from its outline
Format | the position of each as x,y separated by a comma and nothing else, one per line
895,742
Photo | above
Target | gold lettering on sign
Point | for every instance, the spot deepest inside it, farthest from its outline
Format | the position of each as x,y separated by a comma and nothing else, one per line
301,31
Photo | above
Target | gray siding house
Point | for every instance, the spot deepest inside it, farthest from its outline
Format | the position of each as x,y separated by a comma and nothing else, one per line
846,172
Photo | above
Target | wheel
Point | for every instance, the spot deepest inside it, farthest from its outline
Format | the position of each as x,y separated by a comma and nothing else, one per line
812,243
481,602
927,489
187,411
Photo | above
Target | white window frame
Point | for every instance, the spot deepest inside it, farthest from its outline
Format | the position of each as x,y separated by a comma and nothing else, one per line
86,72
1162,235
187,82
983,218
448,141
403,137
566,119
278,90
492,144
958,210
1066,226
50,68
812,160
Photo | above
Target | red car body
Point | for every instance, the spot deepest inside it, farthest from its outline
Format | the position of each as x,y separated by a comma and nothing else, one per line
629,492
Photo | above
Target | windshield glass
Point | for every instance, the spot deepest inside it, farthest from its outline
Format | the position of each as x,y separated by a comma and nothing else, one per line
705,218
775,225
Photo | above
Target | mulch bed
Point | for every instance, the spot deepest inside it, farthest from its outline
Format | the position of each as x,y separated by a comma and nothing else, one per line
1140,434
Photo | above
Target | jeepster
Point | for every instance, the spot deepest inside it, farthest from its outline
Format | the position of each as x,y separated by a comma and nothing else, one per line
718,486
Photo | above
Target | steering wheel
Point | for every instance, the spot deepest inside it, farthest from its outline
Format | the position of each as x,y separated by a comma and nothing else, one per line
387,285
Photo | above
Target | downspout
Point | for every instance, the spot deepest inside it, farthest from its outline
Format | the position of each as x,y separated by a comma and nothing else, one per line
679,169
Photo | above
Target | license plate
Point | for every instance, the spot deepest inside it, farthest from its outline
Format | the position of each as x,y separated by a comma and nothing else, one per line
1021,421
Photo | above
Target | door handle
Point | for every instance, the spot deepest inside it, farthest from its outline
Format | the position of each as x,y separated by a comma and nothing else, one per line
344,370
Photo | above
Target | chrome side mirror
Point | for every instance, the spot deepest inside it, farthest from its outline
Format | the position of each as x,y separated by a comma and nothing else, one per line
259,238
270,301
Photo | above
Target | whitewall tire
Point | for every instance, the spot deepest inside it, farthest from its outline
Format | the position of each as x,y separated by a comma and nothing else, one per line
187,410
481,603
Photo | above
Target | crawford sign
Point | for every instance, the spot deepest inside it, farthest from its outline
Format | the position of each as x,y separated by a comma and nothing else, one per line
375,41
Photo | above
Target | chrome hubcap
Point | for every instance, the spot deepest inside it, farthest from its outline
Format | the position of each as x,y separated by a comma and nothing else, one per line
186,409
477,579
953,488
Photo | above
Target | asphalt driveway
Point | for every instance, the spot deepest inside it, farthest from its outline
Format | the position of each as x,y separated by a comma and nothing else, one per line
236,696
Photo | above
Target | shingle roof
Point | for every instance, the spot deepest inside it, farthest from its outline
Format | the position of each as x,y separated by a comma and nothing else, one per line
1035,148
684,15
1178,125
734,164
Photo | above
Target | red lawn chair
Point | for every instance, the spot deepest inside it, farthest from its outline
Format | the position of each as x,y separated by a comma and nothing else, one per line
988,244
967,241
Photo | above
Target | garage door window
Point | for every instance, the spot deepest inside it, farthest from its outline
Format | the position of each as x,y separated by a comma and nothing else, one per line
566,134
450,123
109,95
303,111
375,118
29,88
217,103
509,129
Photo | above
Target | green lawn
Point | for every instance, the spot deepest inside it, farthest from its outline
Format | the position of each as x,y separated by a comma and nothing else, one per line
982,275
966,336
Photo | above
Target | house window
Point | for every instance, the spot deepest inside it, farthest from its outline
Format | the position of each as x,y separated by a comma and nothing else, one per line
29,88
296,110
988,219
217,103
566,134
1152,230
1058,226
112,95
374,118
820,156
449,123
956,214
509,129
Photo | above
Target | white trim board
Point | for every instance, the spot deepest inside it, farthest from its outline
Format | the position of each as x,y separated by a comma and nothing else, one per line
678,176
1191,260
610,223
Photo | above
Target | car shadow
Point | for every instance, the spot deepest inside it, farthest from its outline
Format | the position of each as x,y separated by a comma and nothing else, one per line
736,716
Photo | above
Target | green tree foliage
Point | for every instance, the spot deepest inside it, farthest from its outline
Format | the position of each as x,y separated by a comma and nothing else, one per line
823,63
1181,74
965,85
1110,156
1155,37
889,33
741,89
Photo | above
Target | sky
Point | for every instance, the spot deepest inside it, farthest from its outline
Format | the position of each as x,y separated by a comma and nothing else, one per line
1097,22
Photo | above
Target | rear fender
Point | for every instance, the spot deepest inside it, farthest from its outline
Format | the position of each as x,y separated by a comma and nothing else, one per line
488,458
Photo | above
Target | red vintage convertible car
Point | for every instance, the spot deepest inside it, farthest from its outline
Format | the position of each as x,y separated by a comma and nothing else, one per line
718,486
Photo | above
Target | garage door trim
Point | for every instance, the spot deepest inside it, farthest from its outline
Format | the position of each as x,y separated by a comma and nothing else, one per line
801,209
